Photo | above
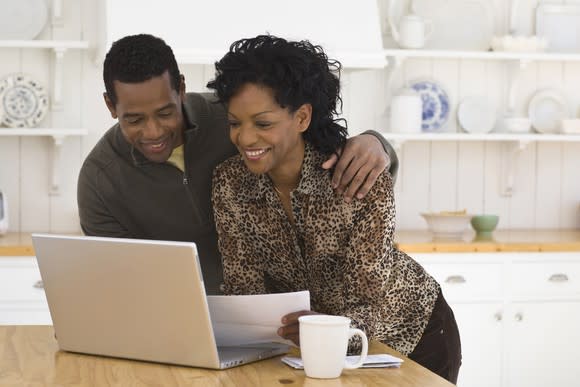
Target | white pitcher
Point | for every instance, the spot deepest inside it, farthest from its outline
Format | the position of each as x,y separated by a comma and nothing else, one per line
413,31
406,112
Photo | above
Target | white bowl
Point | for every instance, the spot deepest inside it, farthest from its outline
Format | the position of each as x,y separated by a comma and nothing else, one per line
519,43
447,225
517,124
570,126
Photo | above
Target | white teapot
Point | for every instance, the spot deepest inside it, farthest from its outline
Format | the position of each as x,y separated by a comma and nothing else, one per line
413,30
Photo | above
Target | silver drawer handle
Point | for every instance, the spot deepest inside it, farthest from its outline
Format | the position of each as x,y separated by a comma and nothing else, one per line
558,278
455,279
38,285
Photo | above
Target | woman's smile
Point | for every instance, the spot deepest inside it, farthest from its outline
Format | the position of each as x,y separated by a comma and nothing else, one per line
254,154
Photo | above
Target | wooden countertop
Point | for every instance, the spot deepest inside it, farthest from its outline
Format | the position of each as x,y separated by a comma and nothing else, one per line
502,241
16,244
20,244
29,356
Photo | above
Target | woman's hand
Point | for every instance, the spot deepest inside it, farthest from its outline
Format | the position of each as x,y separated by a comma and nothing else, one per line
357,167
290,330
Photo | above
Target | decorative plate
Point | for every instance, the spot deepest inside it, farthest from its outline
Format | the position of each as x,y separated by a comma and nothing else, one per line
22,19
476,114
435,105
23,101
547,109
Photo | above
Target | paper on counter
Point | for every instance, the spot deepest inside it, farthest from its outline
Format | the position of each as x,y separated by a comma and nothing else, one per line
240,320
372,361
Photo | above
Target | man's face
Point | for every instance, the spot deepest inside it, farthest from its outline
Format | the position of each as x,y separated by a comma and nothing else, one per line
150,115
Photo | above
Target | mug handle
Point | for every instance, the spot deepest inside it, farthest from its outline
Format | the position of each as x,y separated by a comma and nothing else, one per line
365,346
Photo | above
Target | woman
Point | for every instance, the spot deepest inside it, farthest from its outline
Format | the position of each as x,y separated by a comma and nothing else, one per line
281,226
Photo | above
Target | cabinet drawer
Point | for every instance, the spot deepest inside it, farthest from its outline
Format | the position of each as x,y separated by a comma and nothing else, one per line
28,313
468,281
20,280
546,279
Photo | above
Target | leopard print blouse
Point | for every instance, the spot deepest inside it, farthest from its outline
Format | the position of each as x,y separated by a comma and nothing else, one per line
343,253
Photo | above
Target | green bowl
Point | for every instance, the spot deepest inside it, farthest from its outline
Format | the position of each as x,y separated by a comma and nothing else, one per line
484,224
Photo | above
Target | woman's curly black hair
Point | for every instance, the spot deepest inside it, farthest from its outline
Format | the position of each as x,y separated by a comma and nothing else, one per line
136,59
297,72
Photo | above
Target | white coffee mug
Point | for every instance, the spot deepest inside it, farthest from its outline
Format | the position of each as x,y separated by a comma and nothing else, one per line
323,345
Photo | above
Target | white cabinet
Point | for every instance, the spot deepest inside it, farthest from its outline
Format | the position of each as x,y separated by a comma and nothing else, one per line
22,298
518,315
481,332
544,345
474,289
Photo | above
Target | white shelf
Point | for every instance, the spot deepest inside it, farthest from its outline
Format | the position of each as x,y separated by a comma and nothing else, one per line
484,55
58,136
505,137
59,48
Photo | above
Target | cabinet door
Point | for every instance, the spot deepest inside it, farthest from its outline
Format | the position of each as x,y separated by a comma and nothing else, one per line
544,344
480,328
22,298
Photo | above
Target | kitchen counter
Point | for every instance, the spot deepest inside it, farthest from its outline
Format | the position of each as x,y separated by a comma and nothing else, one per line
29,356
16,244
20,244
501,241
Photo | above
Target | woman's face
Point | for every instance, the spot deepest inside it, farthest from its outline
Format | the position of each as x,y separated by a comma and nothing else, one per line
268,137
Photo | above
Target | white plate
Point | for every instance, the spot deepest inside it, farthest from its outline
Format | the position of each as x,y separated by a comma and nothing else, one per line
476,115
560,26
435,104
458,24
22,19
547,109
23,101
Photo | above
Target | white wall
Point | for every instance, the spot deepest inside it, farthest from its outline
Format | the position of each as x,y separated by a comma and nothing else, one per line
433,176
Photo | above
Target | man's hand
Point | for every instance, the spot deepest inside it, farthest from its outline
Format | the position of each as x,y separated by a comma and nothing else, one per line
361,161
291,328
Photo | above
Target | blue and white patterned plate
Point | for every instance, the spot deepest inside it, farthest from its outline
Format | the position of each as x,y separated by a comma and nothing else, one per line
435,105
23,101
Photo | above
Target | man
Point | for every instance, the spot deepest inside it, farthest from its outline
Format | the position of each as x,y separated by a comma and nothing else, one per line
149,176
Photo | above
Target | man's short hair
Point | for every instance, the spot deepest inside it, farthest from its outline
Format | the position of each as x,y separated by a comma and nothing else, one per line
136,59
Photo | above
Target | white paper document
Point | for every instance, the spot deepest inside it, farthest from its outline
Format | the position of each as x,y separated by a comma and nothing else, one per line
240,320
372,361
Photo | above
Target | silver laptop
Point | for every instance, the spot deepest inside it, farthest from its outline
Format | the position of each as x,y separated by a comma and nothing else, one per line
134,299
